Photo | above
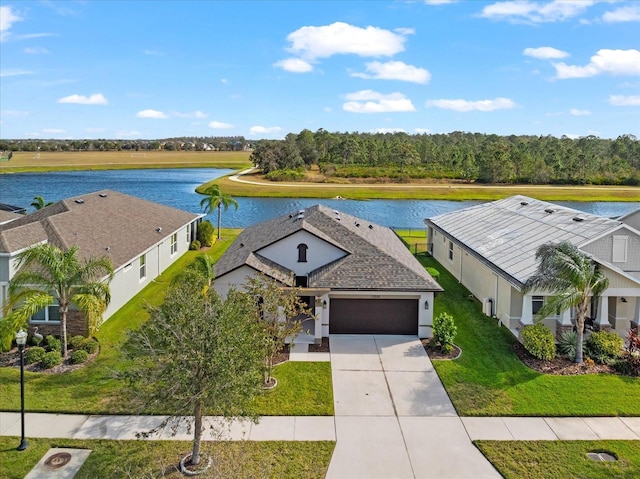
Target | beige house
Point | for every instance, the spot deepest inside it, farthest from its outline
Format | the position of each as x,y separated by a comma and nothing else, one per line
490,248
357,276
140,237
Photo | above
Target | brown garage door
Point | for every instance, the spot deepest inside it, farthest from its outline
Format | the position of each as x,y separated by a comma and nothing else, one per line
373,316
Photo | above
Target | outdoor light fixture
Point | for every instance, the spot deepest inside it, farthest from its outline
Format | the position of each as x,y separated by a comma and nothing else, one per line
426,304
324,304
624,300
21,340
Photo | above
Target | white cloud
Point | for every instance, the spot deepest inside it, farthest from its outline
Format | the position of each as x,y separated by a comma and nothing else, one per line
95,99
53,131
311,43
14,113
389,130
224,81
466,105
219,125
153,53
152,114
7,18
422,131
261,130
439,2
294,65
194,114
572,136
128,134
545,53
395,70
624,100
536,12
623,14
13,72
576,112
615,62
369,101
95,130
36,51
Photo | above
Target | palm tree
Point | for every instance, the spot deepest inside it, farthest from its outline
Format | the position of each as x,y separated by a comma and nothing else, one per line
48,275
572,278
216,199
38,202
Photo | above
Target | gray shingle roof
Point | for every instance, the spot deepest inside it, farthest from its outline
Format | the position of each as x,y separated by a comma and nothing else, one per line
376,259
507,233
125,224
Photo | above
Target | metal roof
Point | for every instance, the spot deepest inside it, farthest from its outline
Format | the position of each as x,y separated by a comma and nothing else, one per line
507,233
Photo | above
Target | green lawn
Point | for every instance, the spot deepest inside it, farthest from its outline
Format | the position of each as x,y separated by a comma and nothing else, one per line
562,459
94,389
489,379
151,459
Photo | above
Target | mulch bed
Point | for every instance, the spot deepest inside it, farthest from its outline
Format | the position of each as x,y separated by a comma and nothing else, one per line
560,365
11,359
320,348
434,351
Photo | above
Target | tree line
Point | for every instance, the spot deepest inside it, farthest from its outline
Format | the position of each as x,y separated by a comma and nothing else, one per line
186,143
472,157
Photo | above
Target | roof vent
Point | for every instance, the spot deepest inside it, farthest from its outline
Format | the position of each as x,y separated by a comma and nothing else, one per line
241,245
337,217
549,210
102,195
357,224
79,201
301,215
290,215
107,248
159,229
578,219
370,227
524,203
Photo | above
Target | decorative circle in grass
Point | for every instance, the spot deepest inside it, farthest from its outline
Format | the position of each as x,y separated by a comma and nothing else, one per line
190,470
601,456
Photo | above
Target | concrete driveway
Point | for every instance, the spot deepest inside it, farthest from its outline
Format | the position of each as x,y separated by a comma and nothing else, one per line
393,416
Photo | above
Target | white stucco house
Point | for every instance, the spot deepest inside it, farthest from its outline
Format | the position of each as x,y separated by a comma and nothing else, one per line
490,248
357,276
140,237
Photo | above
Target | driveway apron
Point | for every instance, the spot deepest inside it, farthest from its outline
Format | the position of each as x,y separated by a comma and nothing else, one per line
393,417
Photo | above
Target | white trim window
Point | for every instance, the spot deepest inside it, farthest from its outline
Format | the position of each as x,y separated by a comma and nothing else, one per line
450,250
619,253
537,302
174,243
188,233
50,314
143,267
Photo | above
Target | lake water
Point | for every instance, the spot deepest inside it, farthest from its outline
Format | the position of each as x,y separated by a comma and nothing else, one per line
176,187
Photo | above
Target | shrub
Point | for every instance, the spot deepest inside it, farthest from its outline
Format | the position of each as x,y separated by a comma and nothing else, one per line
206,233
603,345
76,342
285,175
633,341
33,354
568,344
79,356
628,364
89,345
444,331
194,245
53,343
435,274
539,341
51,359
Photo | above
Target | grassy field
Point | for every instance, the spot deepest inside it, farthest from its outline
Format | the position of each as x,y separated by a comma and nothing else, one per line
94,389
423,191
556,459
115,160
151,459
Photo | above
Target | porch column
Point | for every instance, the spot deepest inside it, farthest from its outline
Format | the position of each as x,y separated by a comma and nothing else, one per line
635,320
563,323
318,321
527,314
603,314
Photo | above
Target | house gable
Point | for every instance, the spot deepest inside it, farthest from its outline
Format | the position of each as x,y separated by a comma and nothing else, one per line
620,247
287,252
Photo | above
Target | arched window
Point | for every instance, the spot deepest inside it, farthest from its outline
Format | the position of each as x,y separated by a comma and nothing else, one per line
302,253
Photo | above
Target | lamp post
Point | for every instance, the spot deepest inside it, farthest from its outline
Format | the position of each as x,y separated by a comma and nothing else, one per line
21,340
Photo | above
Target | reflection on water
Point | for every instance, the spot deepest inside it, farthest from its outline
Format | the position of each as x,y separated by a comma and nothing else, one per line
176,187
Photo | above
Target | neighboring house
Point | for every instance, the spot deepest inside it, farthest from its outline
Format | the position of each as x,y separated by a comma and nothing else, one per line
140,237
490,248
357,277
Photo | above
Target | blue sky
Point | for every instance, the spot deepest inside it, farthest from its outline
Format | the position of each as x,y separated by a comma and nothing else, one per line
262,69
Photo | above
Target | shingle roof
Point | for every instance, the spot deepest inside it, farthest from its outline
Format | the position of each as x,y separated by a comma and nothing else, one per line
507,233
375,257
94,222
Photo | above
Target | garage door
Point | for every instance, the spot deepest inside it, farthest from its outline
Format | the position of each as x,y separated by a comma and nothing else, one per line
373,316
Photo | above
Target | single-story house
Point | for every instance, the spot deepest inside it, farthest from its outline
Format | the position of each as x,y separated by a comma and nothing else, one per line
490,248
140,237
358,277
